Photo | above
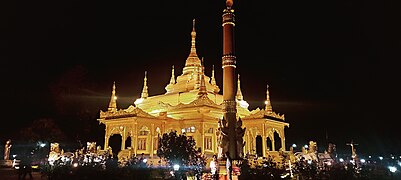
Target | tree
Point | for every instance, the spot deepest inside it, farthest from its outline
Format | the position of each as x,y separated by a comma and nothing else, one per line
44,129
177,149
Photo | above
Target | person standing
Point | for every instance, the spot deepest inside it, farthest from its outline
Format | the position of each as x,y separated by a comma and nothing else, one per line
25,167
229,166
214,168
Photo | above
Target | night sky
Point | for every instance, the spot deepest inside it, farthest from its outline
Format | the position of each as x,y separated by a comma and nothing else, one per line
331,65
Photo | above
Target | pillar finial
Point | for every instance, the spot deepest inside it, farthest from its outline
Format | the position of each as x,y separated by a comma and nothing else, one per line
145,94
229,3
172,79
213,79
268,106
213,82
113,99
239,93
193,35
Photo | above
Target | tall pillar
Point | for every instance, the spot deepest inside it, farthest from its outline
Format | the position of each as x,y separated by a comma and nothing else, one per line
106,138
253,144
229,77
215,143
106,141
264,140
248,144
282,137
134,144
203,137
123,138
152,129
264,146
273,145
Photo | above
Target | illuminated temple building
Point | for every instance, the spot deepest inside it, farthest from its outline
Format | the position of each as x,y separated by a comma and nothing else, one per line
191,104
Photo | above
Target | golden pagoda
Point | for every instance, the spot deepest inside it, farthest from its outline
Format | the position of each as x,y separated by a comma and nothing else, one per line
191,105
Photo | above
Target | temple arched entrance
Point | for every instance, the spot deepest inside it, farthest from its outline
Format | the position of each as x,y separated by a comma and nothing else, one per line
269,144
259,146
128,142
277,141
115,143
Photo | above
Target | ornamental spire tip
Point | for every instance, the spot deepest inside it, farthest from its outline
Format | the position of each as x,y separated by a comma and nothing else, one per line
229,3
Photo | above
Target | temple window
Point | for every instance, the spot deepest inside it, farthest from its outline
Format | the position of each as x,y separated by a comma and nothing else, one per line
156,144
188,129
208,143
143,133
141,143
210,130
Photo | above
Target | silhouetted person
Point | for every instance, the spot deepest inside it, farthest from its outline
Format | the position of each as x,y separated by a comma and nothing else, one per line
25,167
111,163
229,166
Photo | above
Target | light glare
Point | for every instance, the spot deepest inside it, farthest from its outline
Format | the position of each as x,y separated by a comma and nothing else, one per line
176,167
392,169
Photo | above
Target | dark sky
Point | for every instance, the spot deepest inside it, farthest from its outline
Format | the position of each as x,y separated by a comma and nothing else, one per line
331,65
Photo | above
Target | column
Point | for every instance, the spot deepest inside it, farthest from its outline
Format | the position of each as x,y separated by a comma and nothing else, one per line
254,143
134,144
248,143
106,141
273,145
215,144
106,138
264,141
282,140
152,129
123,138
203,137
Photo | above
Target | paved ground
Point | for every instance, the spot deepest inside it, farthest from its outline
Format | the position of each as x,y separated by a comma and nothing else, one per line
12,174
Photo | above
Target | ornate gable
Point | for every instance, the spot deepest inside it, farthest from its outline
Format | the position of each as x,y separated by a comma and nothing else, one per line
200,101
131,111
257,113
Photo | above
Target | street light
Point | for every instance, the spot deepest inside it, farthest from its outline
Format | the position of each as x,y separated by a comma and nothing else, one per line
176,167
392,169
294,145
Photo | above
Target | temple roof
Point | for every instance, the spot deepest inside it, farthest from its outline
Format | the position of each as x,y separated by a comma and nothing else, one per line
190,78
190,94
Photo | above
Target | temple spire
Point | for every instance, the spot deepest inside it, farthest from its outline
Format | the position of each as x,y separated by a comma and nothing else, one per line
268,106
193,35
198,75
113,99
202,88
172,80
216,88
213,80
145,94
239,93
193,62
